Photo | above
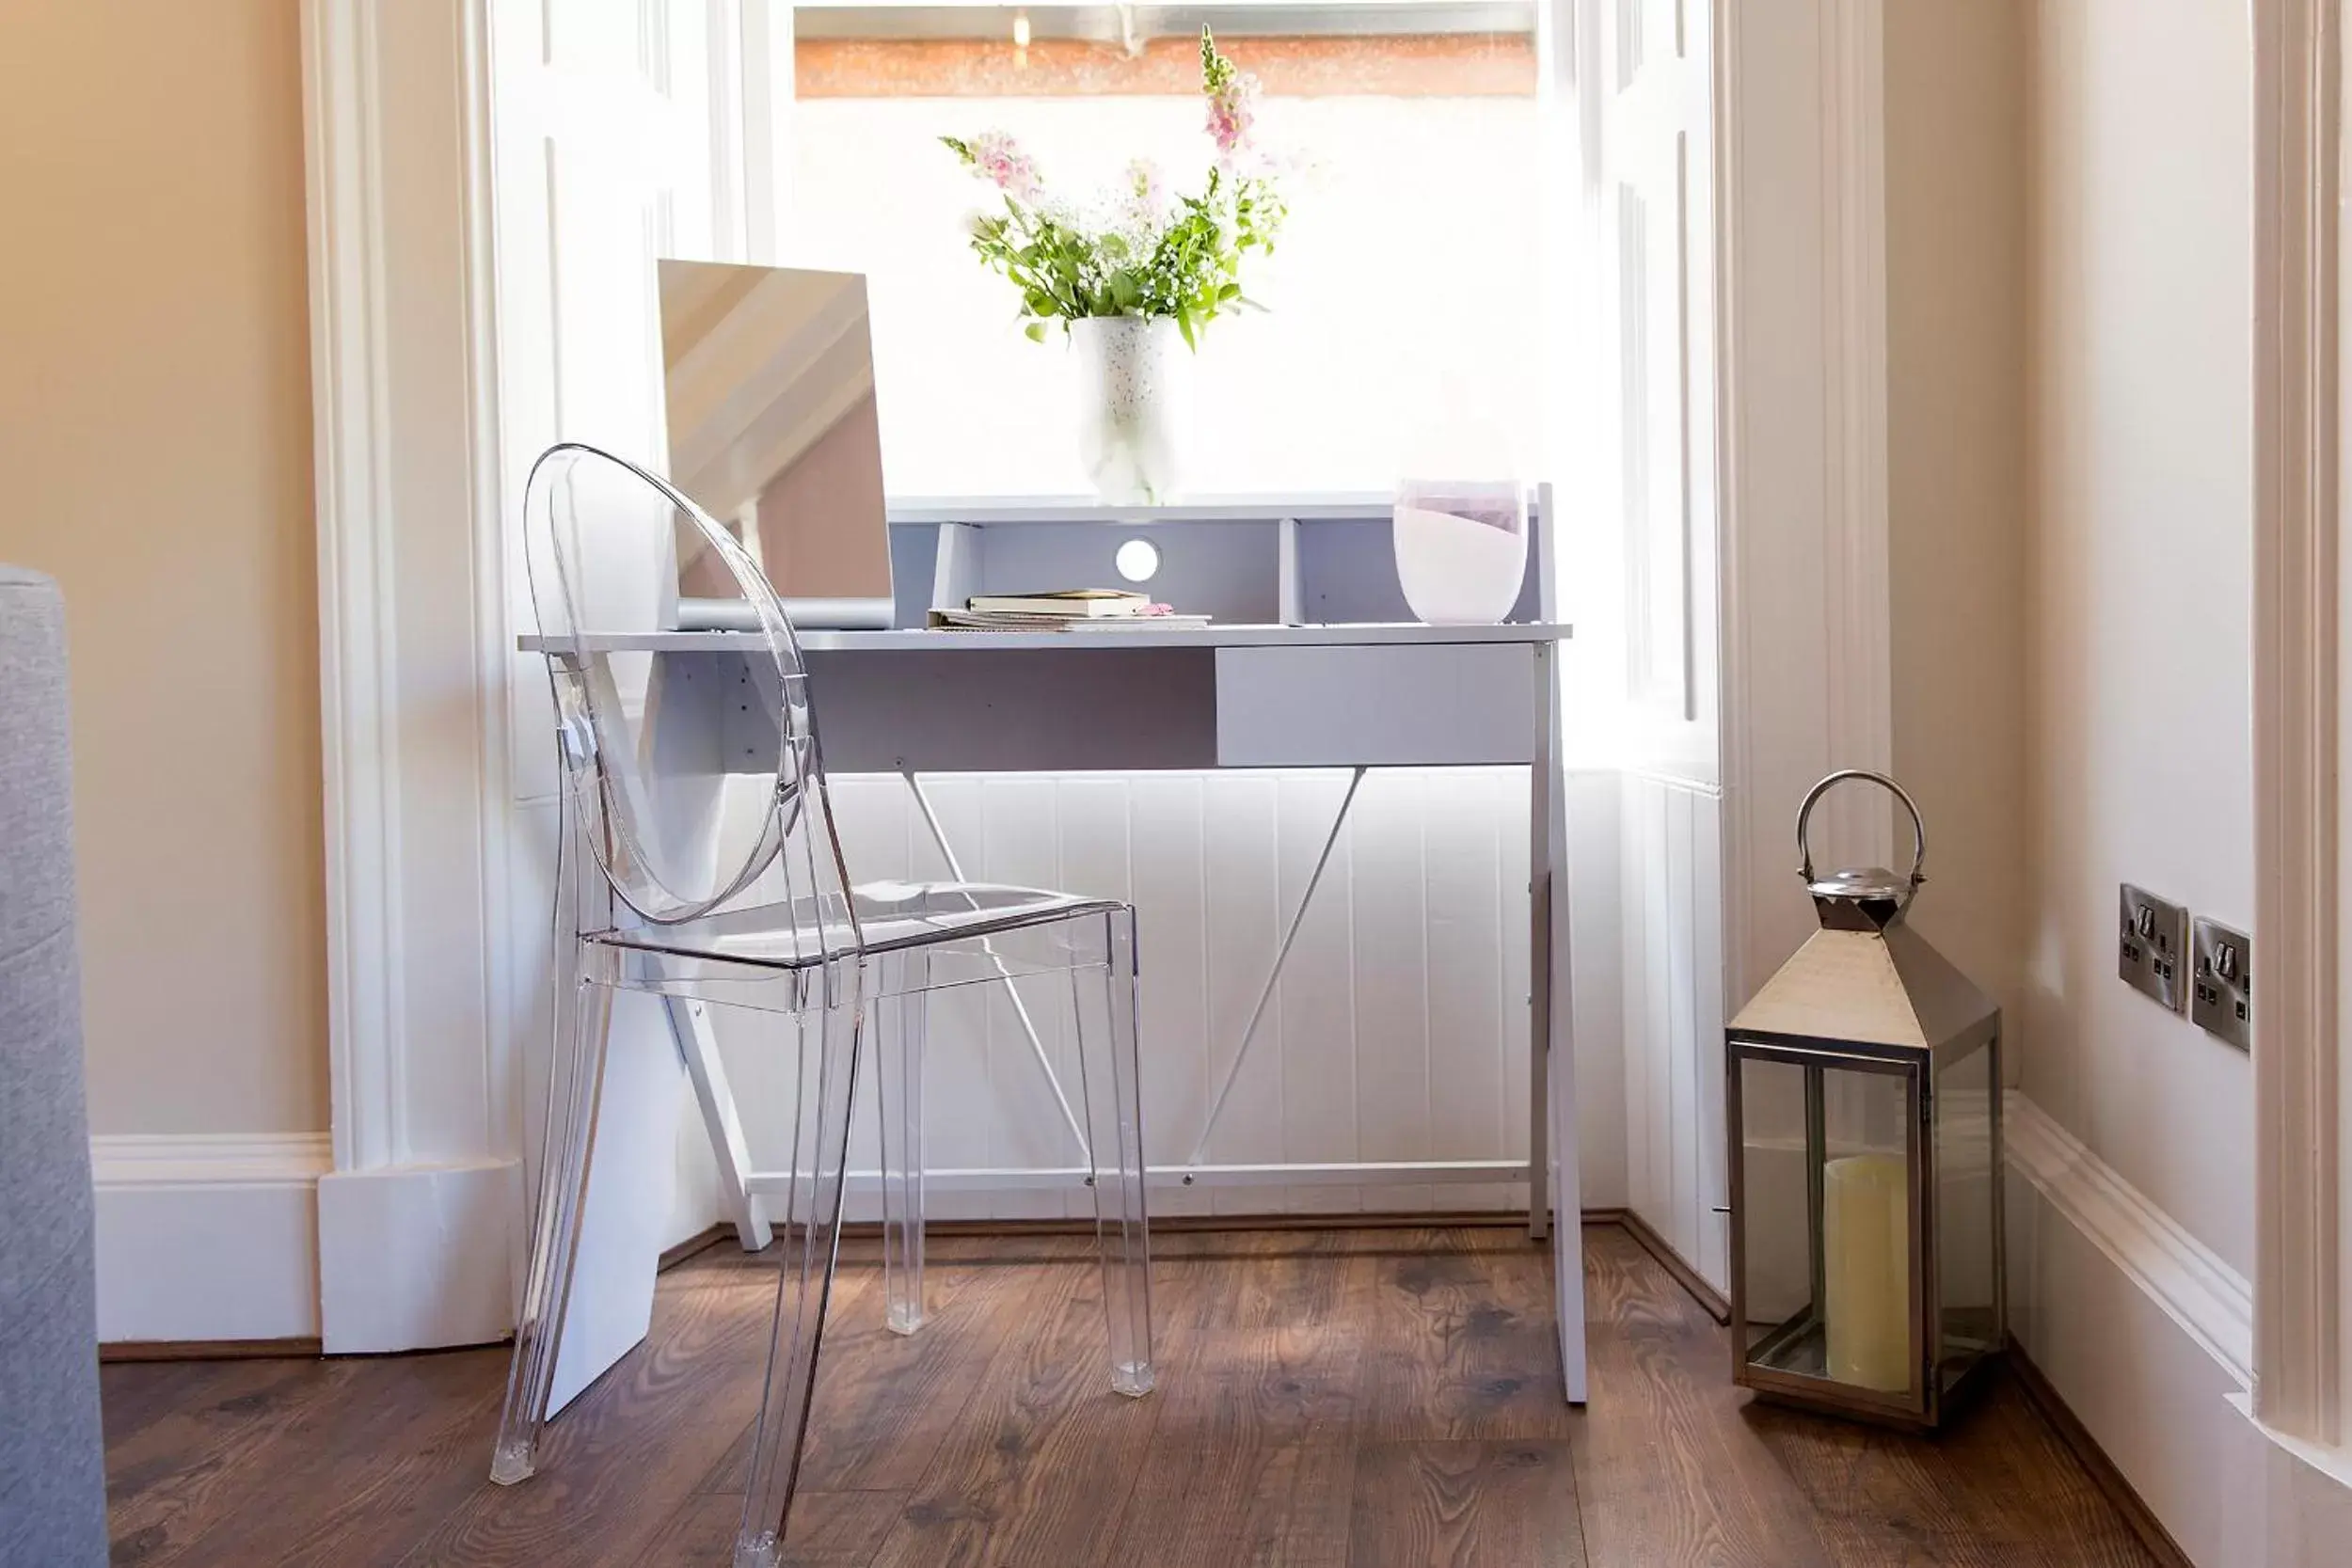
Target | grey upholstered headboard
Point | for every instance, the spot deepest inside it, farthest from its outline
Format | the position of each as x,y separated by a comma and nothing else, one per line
53,1489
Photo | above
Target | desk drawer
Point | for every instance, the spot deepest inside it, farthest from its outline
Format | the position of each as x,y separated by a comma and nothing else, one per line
1401,705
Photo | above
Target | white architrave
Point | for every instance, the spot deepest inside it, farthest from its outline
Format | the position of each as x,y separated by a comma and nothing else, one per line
2299,1292
418,1221
431,946
1860,673
1806,633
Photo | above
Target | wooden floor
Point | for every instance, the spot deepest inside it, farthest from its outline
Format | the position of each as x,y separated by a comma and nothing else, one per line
1371,1399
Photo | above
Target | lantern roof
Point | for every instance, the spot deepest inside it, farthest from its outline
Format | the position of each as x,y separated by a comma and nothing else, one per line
1887,988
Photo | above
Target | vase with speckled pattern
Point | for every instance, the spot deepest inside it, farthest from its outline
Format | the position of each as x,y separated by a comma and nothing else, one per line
1135,405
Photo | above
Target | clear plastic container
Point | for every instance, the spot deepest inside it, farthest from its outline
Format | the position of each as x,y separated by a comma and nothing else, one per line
1461,548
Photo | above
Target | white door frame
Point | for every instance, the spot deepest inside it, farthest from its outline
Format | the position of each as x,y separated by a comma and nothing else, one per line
431,962
1802,204
419,1223
421,1219
2299,1108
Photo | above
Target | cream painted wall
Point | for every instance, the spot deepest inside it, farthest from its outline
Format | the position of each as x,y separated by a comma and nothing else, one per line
2140,289
1956,477
155,439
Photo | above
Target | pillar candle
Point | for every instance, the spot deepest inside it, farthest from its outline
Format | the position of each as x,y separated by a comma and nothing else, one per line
1866,1225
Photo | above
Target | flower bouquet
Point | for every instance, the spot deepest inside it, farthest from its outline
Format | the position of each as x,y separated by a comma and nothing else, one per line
1126,272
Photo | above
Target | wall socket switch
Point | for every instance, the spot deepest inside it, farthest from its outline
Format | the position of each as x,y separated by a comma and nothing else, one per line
2221,983
2152,948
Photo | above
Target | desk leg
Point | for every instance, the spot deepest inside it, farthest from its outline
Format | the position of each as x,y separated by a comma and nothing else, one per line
698,1049
1551,1054
1540,964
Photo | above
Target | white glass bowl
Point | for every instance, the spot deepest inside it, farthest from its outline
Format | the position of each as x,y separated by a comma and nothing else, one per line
1461,549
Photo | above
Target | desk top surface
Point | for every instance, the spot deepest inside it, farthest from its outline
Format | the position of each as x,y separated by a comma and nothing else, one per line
1367,635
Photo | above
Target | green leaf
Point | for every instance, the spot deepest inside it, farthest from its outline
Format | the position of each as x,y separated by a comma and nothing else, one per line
1035,332
1183,325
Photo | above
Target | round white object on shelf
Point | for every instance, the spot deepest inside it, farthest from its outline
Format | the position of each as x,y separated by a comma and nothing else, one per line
1139,560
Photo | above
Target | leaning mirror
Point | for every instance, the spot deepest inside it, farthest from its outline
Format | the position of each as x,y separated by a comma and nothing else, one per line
769,393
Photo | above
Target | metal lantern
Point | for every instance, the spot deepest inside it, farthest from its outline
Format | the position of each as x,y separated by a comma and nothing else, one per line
1865,1114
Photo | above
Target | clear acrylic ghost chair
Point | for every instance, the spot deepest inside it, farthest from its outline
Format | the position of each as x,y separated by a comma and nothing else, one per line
754,908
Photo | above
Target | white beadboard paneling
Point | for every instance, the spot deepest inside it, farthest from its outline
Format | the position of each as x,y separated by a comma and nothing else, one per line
1020,843
1681,1044
1504,793
1713,1258
1642,906
1389,915
1315,1000
1648,948
1170,888
957,1090
1596,913
1245,916
1399,1031
1094,812
1465,934
1672,966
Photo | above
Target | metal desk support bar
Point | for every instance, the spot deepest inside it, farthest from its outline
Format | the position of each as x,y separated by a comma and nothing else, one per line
1019,1008
1257,1014
1192,1172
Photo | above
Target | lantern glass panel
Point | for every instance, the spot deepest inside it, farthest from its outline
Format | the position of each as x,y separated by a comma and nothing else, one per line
1827,1223
1967,1245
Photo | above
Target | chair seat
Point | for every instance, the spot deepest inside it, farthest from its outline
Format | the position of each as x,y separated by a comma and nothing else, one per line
890,916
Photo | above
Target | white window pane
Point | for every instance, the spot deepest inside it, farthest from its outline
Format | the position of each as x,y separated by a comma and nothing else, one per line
1403,299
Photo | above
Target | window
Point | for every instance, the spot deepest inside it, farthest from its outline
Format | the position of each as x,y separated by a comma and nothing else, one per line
1399,336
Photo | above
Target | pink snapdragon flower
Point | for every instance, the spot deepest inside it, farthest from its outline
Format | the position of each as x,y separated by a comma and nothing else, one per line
1232,98
1232,110
995,156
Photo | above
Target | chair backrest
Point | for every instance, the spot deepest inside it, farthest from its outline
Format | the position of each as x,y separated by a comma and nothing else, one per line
649,743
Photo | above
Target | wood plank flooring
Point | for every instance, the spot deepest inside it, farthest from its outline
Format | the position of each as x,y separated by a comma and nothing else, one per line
1338,1398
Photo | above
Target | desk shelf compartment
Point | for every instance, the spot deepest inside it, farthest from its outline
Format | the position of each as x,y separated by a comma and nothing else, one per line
1249,564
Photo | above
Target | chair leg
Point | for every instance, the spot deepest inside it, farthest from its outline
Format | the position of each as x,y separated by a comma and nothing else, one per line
575,1084
811,1236
1104,998
902,1018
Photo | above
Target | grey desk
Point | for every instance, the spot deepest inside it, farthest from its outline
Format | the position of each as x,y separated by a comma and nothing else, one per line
1225,696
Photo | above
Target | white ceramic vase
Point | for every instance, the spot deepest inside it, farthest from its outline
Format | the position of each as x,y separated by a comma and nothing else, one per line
1135,405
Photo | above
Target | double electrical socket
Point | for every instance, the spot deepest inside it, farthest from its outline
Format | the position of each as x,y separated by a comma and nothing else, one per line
2199,966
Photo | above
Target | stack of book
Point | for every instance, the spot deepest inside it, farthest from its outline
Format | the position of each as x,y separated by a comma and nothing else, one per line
1063,610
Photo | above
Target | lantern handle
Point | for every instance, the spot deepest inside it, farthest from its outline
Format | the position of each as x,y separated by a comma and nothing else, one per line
1918,830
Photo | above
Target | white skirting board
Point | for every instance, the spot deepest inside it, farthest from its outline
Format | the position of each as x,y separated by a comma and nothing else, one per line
208,1238
2148,1337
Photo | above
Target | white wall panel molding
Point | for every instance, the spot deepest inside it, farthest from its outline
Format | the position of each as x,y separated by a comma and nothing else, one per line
2148,1336
2299,1084
1670,883
2211,1302
2151,1394
208,1237
1398,1032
